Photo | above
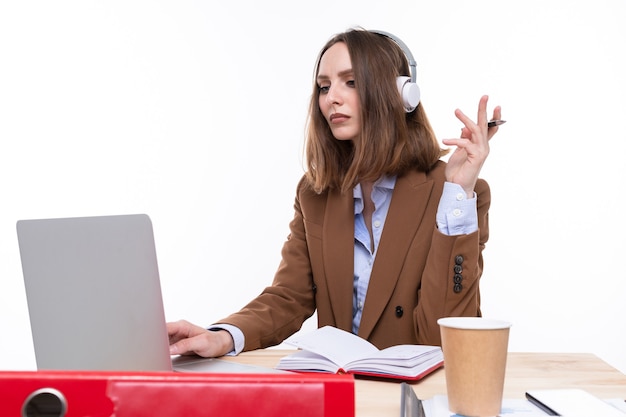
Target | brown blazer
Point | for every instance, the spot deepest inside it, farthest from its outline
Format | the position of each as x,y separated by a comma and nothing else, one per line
413,278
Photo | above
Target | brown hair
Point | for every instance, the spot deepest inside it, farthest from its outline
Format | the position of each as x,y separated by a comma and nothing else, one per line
391,141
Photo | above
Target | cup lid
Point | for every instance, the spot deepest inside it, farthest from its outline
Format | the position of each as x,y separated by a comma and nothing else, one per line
479,323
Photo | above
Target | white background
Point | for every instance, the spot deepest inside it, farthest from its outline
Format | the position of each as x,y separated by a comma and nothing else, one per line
193,112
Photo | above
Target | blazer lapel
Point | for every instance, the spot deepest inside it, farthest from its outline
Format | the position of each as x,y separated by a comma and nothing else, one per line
408,204
338,235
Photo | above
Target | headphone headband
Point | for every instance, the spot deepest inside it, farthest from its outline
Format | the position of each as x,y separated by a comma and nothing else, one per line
405,49
407,86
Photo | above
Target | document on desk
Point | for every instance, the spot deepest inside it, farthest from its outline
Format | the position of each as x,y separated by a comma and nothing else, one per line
573,403
437,406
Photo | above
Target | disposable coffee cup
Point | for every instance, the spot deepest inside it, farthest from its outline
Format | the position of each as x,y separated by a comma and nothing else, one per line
474,355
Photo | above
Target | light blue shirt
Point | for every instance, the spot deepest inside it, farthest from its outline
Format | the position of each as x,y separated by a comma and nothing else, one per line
456,215
364,251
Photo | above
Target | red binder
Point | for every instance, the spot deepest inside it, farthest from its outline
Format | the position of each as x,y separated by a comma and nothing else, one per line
157,394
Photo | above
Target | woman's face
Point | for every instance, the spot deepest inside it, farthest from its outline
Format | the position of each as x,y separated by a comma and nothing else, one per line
338,98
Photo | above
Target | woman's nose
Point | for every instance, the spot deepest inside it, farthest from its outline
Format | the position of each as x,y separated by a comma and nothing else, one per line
333,96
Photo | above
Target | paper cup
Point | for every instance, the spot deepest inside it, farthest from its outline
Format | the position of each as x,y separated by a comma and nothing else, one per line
474,354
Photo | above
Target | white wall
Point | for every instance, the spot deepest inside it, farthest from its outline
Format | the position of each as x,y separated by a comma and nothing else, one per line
193,112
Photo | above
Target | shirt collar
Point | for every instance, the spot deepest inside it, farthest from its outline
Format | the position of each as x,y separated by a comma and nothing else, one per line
385,182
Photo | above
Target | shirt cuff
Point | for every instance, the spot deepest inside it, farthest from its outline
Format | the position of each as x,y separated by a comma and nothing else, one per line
456,214
235,333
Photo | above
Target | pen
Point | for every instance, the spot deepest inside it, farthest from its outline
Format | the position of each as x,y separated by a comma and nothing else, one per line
541,405
493,123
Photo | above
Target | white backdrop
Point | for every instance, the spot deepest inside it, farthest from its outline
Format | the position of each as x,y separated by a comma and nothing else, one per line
193,112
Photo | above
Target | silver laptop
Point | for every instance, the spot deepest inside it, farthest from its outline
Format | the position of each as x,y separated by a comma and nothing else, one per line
94,297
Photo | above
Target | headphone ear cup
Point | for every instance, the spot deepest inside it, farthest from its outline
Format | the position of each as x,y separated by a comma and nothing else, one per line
409,91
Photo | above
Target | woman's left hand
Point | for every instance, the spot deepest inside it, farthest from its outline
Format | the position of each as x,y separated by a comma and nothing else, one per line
472,148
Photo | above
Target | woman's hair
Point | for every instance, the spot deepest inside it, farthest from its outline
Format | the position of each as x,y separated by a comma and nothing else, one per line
391,141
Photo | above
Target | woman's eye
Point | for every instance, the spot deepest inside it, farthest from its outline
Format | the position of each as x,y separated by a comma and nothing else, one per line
351,83
323,89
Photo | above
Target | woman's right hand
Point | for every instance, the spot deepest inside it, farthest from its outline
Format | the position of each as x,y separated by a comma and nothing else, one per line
188,339
472,148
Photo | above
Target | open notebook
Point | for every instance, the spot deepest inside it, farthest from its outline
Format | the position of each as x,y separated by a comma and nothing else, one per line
94,297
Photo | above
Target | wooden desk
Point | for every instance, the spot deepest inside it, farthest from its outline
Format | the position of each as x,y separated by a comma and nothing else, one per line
524,371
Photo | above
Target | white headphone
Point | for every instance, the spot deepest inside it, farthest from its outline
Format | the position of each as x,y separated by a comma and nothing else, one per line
407,86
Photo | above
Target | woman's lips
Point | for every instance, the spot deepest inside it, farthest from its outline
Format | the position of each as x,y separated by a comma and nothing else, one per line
338,118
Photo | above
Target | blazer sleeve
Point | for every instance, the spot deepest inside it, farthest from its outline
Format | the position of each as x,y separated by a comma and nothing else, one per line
281,309
450,282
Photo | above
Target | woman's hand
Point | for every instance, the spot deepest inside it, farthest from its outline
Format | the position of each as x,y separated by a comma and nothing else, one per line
472,148
188,339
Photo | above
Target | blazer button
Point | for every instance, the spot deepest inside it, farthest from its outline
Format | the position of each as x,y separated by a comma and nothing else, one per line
458,269
458,288
458,278
458,259
399,311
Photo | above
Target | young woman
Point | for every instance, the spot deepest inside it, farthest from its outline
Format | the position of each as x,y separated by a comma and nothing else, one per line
386,237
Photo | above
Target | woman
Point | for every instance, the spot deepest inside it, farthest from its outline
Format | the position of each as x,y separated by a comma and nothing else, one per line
386,238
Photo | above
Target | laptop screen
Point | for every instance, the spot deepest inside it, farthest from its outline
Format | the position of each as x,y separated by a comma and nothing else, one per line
93,292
